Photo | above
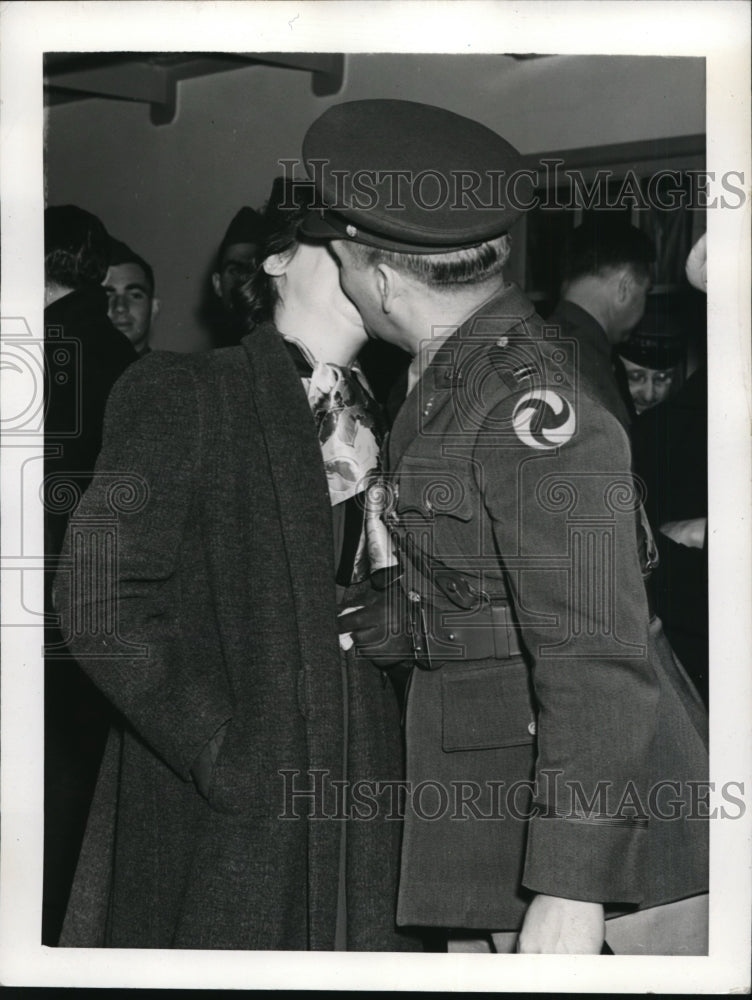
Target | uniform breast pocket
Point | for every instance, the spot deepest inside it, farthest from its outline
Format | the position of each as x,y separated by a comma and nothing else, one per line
431,487
487,706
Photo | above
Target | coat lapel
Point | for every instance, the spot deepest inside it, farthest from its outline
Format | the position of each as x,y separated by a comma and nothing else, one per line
306,526
298,474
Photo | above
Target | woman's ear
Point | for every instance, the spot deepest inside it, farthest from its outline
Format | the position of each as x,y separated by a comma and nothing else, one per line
276,264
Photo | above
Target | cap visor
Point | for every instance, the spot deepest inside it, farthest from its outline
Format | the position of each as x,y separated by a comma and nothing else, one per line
327,225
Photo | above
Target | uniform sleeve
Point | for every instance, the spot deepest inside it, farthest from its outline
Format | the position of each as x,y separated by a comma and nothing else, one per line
121,612
563,514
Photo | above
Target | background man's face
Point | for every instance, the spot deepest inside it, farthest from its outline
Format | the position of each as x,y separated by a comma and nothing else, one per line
238,262
130,302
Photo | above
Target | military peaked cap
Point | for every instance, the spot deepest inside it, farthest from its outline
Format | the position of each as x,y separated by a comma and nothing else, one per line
658,353
408,177
246,227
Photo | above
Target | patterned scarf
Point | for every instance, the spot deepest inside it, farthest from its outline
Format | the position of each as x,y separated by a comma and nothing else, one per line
350,429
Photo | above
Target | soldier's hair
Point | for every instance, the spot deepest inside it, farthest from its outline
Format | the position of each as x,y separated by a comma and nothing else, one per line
76,247
121,253
598,246
441,270
288,203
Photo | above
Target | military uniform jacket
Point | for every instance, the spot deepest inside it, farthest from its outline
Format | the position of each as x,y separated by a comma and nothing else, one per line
541,741
595,358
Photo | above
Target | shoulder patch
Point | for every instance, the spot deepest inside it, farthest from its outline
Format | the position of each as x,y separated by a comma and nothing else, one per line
543,419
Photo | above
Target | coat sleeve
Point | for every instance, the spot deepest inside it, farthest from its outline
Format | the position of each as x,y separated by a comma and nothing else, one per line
563,516
122,622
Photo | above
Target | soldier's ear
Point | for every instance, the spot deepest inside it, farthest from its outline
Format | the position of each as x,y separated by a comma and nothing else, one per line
387,286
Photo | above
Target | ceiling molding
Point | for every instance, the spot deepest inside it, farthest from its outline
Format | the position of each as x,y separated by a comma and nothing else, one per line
153,78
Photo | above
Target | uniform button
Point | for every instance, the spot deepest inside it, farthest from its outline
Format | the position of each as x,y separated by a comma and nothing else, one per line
532,728
502,341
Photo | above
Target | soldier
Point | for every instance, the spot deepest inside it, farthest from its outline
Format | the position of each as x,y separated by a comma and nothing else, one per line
550,732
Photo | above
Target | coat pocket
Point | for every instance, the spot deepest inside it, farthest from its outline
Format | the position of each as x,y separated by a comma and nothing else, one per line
487,706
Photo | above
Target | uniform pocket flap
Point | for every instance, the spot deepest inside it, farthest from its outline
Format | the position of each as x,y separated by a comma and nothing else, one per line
488,706
446,489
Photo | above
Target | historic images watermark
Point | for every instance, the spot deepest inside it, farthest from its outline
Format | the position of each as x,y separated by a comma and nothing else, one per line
315,795
549,186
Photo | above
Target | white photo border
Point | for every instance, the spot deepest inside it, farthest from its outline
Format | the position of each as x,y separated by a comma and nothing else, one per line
719,31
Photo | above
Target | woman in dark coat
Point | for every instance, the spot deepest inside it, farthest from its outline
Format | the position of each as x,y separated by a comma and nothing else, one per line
215,822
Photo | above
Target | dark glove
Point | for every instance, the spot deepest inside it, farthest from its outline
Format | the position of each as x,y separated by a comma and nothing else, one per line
380,627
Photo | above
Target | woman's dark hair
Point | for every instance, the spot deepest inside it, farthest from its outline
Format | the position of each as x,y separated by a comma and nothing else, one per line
601,244
76,247
288,203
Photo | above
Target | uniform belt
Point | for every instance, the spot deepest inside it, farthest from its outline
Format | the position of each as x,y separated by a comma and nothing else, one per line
490,635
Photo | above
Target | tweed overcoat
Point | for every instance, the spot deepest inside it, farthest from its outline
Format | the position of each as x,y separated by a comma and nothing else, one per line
222,608
546,763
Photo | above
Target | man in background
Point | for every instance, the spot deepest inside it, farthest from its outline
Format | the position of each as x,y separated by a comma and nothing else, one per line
84,356
131,304
84,352
236,260
605,280
671,456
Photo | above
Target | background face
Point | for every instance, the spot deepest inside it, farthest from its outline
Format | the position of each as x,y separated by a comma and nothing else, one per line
238,262
648,386
129,301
